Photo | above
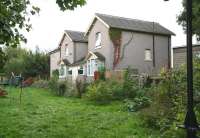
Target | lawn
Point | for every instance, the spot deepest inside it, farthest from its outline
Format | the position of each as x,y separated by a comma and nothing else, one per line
42,114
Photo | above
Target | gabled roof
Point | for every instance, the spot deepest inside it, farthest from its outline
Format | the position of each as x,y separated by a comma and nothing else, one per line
100,56
65,61
96,54
76,36
54,51
130,24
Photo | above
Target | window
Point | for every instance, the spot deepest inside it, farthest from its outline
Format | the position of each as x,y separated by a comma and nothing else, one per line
69,72
66,51
62,70
81,71
147,55
91,67
98,40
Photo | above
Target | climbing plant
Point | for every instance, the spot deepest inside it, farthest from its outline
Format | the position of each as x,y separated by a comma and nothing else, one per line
115,36
119,49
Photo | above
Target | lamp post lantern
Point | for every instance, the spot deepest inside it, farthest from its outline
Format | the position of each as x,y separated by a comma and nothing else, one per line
190,123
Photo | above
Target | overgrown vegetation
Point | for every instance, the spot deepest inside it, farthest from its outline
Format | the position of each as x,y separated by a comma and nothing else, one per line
168,107
42,114
27,63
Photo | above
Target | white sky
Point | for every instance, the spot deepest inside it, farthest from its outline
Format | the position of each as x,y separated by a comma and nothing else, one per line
49,26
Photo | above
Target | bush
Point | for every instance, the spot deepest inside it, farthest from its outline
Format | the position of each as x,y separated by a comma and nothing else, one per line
131,83
81,86
167,109
140,101
99,92
61,88
41,84
105,91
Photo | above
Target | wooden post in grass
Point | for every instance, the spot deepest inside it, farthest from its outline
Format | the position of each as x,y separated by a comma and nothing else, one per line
20,82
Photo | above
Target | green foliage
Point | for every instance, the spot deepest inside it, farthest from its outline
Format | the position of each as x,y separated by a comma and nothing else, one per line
3,59
15,65
70,4
81,86
27,63
61,88
36,65
15,16
167,109
139,102
104,92
42,114
102,70
115,34
41,84
99,92
55,73
53,84
131,83
196,17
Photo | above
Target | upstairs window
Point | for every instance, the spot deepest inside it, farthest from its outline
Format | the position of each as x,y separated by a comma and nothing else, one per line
66,51
147,55
98,40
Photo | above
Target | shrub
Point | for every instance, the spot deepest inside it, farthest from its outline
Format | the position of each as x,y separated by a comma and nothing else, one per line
131,83
41,84
53,84
99,92
140,101
61,88
105,91
80,87
55,73
167,109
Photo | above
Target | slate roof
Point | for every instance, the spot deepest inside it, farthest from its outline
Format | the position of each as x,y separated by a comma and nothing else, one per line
79,62
134,24
100,56
54,51
76,36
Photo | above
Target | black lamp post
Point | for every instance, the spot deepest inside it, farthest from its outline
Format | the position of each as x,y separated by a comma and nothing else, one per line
190,123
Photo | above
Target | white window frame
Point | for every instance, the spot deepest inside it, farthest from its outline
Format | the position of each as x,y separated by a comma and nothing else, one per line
91,67
147,55
69,71
64,71
98,40
66,51
81,68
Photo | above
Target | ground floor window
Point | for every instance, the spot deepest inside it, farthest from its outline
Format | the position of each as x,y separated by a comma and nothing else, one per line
81,71
91,67
70,72
62,70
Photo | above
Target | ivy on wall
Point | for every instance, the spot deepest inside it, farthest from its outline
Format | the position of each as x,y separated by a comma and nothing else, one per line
119,50
116,38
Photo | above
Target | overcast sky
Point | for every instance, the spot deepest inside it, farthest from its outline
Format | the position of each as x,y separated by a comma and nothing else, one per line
49,26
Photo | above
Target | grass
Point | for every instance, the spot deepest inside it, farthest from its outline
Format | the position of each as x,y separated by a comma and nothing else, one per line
43,115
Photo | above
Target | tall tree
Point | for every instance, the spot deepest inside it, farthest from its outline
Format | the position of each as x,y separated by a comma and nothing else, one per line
2,59
15,16
196,17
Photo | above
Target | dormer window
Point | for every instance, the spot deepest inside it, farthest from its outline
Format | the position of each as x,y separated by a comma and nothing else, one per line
98,40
